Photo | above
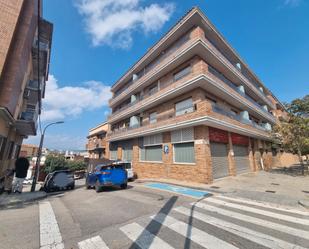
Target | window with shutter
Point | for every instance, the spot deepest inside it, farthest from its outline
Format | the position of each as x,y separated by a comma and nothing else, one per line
184,153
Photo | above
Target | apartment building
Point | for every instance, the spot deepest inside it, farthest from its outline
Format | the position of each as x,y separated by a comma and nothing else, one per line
96,145
191,108
25,45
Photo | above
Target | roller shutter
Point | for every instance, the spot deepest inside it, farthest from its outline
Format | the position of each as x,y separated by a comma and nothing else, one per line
219,159
241,159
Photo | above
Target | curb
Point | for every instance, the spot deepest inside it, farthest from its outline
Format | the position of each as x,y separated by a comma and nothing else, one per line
21,201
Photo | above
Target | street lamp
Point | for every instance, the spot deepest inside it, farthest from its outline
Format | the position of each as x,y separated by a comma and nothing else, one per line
38,158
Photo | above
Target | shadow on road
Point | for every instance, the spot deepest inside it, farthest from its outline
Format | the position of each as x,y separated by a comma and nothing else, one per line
294,170
153,226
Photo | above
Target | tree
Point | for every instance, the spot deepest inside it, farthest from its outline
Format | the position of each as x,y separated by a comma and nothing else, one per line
293,132
76,165
54,162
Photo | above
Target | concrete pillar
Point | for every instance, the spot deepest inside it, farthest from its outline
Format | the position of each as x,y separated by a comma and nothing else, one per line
202,154
251,155
232,165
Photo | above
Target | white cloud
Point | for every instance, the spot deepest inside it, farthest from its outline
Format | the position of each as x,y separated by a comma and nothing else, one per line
292,3
71,101
112,22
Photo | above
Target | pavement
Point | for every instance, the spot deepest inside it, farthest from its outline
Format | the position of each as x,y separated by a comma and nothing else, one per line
151,216
280,189
8,201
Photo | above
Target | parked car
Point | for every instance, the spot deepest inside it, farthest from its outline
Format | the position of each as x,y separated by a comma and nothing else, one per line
109,174
58,180
128,167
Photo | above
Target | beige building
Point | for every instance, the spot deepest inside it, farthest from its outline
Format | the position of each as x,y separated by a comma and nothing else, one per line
96,145
191,109
25,44
28,150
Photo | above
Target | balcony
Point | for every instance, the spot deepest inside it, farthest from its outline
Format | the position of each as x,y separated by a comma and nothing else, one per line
27,123
150,98
249,82
220,76
220,110
199,116
159,60
98,145
157,68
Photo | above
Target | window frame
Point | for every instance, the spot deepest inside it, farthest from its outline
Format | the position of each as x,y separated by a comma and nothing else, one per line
174,153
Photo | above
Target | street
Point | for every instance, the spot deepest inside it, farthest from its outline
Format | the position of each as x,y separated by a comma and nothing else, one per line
144,217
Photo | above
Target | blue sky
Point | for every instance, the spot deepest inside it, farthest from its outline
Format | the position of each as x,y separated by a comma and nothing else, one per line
92,48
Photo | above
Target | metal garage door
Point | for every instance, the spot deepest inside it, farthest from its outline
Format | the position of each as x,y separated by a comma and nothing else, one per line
219,159
241,159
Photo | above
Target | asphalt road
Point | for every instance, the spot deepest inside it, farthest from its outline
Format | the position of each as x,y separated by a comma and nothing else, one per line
141,217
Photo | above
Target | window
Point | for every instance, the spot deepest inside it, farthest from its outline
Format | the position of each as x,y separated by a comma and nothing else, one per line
113,155
151,153
185,106
113,151
2,146
182,73
184,153
11,148
151,148
127,151
153,117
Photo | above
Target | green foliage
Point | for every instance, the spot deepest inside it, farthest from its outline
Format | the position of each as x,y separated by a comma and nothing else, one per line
293,133
58,162
53,163
76,165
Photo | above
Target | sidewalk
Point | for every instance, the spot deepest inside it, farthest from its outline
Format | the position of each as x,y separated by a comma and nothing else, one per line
26,196
271,187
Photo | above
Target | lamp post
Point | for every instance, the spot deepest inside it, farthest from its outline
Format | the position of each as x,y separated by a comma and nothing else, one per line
38,158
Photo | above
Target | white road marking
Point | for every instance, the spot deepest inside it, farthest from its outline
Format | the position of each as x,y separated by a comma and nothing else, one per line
92,243
143,238
261,204
196,235
50,237
254,220
259,211
257,237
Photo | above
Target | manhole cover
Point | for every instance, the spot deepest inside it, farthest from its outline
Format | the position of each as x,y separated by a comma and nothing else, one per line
270,191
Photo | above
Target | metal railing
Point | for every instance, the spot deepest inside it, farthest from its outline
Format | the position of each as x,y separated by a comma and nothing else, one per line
234,116
178,44
219,75
219,52
160,118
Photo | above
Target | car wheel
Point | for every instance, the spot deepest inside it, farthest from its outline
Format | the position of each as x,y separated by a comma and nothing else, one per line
124,186
98,188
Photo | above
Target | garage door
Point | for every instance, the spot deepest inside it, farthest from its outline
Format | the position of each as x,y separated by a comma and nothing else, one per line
219,159
241,159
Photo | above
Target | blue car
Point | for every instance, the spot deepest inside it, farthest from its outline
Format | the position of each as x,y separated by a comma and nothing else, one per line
105,175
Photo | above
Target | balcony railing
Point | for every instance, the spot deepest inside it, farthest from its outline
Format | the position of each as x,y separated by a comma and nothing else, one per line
163,56
163,85
160,119
221,54
219,75
234,116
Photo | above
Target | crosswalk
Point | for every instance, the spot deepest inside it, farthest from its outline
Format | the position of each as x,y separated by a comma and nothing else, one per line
216,222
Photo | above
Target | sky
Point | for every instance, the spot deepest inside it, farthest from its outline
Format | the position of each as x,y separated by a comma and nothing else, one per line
96,41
